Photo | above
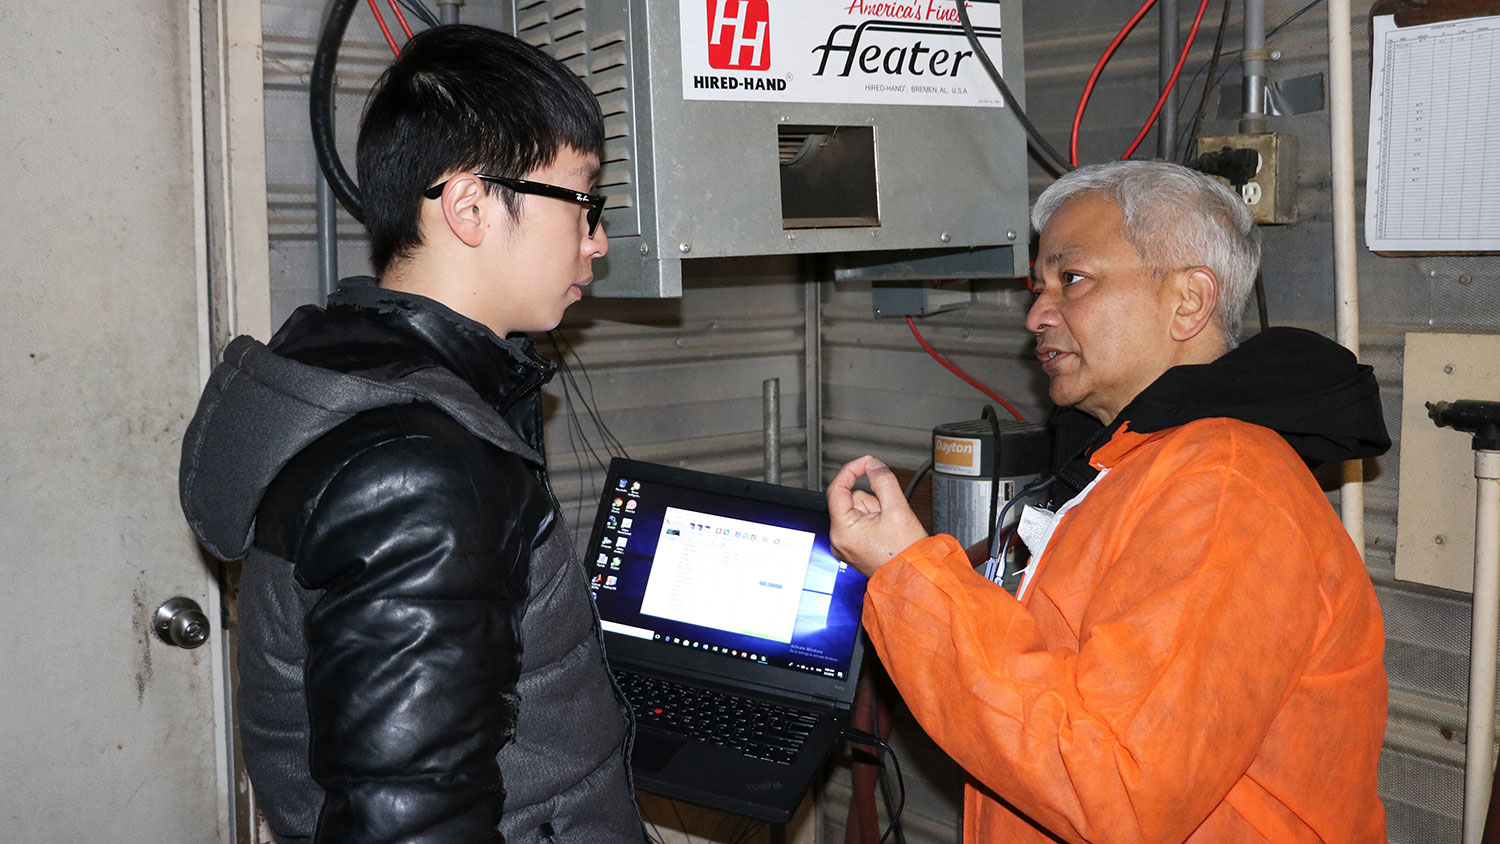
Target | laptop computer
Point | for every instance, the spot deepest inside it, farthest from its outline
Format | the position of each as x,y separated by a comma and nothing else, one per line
731,627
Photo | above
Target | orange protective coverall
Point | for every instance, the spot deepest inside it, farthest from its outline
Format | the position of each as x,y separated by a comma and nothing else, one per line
1198,657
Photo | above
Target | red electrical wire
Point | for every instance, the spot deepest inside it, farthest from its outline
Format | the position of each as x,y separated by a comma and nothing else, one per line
959,372
1088,89
1171,81
400,18
1109,52
385,30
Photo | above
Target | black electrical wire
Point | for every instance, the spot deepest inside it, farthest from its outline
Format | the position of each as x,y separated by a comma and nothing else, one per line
861,737
993,418
1207,92
1213,81
421,11
1297,14
1260,302
576,434
1213,65
583,492
885,784
999,550
612,443
320,106
1049,157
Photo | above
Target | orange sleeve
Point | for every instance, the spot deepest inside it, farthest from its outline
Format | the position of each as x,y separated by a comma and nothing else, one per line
1201,617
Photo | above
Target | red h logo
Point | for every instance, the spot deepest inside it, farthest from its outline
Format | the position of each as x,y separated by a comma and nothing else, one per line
739,34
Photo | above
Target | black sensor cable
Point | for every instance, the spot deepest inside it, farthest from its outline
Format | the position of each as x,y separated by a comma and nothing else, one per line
861,737
1050,158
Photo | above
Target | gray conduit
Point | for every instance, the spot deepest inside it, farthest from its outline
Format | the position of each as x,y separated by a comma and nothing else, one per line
1253,118
328,239
1166,60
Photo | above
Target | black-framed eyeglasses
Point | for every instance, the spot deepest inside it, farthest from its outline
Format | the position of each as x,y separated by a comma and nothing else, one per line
593,201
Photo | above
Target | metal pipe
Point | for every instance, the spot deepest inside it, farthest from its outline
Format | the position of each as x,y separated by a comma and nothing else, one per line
328,238
1345,275
1253,112
1166,60
1479,762
812,384
770,406
448,10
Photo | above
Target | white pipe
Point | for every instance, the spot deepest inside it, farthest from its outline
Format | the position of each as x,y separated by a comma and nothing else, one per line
218,650
1346,279
1479,762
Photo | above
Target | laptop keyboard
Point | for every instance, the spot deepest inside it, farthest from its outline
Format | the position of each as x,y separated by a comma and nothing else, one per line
755,728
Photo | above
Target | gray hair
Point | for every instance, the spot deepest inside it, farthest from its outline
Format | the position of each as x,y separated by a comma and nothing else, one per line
1175,218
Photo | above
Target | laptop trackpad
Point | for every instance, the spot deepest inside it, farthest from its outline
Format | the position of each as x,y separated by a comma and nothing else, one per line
651,753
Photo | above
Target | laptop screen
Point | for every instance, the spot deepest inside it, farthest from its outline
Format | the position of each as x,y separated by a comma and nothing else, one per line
728,569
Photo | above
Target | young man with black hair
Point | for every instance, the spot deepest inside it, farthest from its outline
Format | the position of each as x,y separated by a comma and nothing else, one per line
419,660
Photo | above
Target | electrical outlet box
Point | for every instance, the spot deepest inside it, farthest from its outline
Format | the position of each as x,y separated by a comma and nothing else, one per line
1271,193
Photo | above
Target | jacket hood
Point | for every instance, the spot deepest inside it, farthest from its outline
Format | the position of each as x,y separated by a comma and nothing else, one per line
370,349
1307,388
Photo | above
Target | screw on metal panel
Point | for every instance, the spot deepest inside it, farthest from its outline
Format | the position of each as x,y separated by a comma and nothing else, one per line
784,118
791,235
874,234
1448,369
681,342
1465,278
1275,55
1010,235
684,247
1439,539
1432,273
945,237
645,249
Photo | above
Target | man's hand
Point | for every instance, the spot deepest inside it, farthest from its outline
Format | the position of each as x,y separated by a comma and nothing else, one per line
868,530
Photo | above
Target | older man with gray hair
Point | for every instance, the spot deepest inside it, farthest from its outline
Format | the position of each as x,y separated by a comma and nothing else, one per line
1194,652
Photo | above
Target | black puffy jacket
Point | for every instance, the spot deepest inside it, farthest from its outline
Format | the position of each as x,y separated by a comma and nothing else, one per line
419,659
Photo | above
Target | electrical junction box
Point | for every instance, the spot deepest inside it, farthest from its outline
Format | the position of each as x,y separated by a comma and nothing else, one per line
862,130
907,298
1271,192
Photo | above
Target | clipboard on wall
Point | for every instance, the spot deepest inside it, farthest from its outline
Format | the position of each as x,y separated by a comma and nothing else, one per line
1433,179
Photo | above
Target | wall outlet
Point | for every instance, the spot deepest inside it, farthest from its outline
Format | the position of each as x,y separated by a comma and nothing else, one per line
1271,193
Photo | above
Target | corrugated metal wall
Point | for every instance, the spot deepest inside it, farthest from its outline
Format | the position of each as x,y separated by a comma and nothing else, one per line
680,380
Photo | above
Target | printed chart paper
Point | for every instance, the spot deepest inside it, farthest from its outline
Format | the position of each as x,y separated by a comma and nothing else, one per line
1433,183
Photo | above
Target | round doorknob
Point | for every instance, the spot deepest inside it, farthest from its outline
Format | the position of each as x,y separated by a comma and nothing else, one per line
181,622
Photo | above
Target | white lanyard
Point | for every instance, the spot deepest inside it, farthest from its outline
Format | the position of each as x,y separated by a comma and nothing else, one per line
1037,526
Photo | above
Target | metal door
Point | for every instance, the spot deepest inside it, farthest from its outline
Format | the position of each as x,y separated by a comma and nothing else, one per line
108,733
